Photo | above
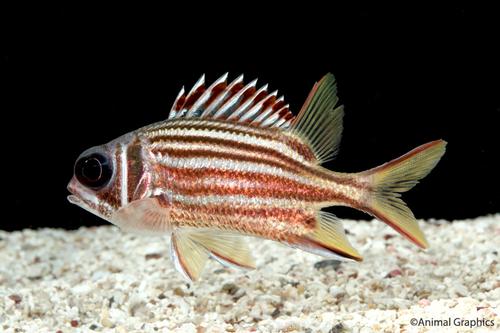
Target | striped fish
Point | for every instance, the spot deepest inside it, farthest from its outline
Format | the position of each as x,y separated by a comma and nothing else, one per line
231,160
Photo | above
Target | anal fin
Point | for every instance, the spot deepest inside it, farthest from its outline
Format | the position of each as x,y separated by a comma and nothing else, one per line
328,240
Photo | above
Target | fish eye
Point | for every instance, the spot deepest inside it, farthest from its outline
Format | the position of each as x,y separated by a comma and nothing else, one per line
93,170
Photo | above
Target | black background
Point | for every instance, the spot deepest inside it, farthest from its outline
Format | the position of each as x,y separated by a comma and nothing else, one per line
74,77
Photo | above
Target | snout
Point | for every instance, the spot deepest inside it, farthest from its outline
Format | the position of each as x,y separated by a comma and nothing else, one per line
72,186
80,196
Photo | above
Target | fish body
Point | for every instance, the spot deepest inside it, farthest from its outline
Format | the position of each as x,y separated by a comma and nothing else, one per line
232,160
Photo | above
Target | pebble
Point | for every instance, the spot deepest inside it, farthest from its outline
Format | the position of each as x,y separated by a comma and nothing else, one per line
336,291
16,298
230,288
394,273
327,263
153,256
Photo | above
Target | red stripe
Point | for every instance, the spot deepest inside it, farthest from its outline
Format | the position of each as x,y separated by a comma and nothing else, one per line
188,153
262,221
292,142
290,162
186,181
393,225
406,156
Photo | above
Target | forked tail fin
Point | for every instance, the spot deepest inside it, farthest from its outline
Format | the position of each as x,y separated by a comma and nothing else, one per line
395,177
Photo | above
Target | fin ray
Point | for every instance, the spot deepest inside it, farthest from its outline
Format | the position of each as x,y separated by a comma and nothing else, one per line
397,176
189,258
228,248
328,239
144,216
319,121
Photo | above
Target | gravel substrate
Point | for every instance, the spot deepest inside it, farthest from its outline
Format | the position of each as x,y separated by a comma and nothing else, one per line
101,279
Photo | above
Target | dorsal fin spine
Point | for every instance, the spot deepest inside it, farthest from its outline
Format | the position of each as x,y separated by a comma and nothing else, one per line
248,103
174,109
268,111
250,113
233,100
220,99
206,95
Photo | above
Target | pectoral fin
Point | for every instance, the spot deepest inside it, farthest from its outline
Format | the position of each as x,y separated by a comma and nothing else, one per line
145,216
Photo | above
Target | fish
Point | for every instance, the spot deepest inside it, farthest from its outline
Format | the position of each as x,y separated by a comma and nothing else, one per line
231,160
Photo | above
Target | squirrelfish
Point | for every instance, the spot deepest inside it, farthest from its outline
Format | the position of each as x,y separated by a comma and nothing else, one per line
230,161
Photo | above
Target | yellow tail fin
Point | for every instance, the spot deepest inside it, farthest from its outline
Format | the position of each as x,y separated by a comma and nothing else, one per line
400,175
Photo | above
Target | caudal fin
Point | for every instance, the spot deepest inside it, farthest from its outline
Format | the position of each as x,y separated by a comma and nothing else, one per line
395,177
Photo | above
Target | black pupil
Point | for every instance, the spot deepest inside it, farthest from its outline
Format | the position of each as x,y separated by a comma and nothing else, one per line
93,171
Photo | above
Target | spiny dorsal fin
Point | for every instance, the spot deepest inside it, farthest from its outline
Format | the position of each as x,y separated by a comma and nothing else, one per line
233,101
319,121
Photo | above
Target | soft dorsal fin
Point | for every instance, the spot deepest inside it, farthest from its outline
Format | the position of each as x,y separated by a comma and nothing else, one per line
319,121
233,101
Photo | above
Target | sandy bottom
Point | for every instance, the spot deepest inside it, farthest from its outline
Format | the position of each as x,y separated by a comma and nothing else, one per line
100,279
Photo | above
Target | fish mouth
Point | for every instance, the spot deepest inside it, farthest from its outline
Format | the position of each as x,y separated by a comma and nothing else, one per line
82,203
75,200
80,197
75,197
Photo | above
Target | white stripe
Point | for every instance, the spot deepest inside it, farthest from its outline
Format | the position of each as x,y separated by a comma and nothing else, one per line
124,174
237,138
230,165
242,200
158,128
188,146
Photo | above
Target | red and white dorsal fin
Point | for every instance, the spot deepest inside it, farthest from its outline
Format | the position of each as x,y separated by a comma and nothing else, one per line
234,101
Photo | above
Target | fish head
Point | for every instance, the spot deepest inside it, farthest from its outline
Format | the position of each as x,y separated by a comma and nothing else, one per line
107,177
92,186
